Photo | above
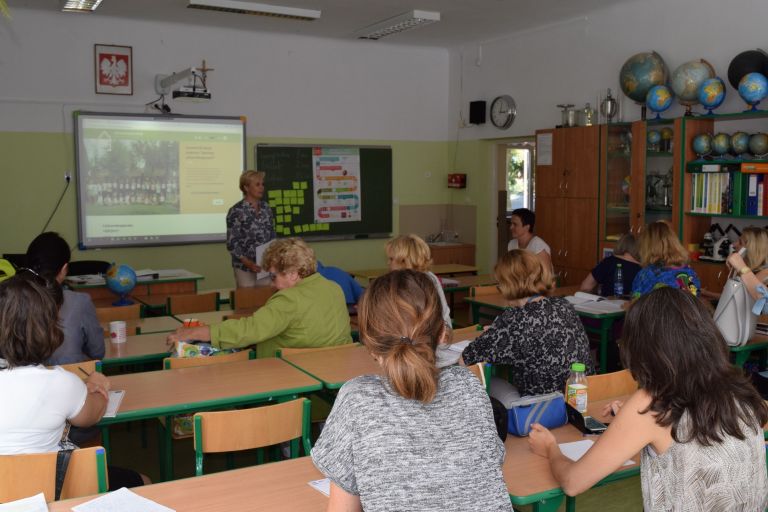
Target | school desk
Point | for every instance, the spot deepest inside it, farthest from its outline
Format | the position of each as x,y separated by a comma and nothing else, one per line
529,478
176,281
150,325
498,303
335,365
448,269
280,486
206,317
140,349
758,343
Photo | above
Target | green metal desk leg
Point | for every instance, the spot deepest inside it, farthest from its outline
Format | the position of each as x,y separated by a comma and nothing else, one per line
475,313
570,504
105,440
548,505
605,335
741,358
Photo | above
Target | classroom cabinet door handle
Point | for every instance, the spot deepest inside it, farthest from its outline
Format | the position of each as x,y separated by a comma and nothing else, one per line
559,252
565,254
719,274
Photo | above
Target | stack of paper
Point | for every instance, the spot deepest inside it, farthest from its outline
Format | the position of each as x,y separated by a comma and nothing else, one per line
121,500
577,449
590,303
115,399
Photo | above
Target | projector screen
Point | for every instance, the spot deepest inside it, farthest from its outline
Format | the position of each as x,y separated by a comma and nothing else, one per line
156,180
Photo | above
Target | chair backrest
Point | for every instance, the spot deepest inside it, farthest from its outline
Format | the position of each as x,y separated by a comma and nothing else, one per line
89,366
246,429
193,303
112,313
489,289
172,363
466,333
479,369
289,351
26,475
83,267
250,298
610,385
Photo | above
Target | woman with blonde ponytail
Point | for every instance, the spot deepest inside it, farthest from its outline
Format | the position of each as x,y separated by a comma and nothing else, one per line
418,437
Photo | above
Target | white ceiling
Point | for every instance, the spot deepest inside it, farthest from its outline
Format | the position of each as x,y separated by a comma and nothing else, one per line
462,21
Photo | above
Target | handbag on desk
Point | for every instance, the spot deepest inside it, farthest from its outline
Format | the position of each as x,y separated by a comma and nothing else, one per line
547,410
733,315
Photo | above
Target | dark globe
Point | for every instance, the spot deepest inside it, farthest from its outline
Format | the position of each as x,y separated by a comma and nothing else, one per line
750,61
758,144
641,72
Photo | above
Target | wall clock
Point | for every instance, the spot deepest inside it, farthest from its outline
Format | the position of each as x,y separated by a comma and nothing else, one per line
503,111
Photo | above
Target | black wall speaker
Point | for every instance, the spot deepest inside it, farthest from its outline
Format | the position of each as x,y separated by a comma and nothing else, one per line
476,112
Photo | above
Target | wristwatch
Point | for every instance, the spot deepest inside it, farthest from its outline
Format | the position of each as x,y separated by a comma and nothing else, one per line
745,270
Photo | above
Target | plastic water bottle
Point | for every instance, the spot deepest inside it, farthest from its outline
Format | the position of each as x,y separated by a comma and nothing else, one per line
576,388
618,281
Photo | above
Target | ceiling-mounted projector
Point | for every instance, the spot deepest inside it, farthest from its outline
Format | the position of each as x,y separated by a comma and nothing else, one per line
187,92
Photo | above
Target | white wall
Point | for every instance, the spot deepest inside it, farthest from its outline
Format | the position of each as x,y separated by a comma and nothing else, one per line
287,86
572,62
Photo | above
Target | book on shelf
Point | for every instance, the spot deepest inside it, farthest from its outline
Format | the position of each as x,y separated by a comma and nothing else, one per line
754,167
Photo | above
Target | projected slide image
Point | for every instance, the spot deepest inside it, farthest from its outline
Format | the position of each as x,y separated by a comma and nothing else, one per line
132,177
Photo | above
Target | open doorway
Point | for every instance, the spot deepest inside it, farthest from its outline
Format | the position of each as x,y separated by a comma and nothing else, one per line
514,161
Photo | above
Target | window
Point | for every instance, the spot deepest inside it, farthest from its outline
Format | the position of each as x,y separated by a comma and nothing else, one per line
519,184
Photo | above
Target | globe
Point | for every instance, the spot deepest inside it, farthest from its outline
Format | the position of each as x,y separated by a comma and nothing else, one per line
712,93
721,144
641,72
658,99
666,138
687,79
654,138
746,62
758,144
739,143
702,144
121,279
753,87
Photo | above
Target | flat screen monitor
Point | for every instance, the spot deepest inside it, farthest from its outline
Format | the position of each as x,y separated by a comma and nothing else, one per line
156,180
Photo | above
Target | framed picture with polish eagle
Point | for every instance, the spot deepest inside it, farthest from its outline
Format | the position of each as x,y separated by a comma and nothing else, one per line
114,69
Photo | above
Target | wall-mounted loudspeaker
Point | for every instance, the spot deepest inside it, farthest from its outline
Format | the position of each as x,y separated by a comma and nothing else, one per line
477,112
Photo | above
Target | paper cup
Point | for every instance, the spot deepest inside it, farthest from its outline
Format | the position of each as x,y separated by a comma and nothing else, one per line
191,322
117,331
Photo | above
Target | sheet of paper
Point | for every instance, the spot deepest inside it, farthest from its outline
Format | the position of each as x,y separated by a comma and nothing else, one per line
34,503
115,399
446,355
544,149
324,485
447,281
259,256
171,272
121,500
604,306
145,272
577,449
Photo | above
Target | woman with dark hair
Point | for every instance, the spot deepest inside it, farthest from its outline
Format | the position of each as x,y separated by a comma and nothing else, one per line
38,402
695,418
418,437
48,256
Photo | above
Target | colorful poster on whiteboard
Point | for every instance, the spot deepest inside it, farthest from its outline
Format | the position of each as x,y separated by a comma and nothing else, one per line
336,184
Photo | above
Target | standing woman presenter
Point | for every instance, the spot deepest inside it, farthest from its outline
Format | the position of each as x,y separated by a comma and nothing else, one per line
249,225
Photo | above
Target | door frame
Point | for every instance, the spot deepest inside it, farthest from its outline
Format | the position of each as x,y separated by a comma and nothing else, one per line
500,185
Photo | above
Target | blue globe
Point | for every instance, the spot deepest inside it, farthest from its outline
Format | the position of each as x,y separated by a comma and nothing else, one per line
702,144
753,88
721,144
758,144
739,143
659,99
712,93
641,72
654,137
121,279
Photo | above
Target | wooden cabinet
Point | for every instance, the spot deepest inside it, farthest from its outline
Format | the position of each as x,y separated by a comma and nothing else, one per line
712,275
566,201
461,254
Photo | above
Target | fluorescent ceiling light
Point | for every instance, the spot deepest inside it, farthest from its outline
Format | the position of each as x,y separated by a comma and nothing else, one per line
400,23
278,11
79,5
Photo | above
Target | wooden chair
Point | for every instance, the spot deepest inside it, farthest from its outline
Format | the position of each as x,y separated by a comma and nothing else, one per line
192,303
610,385
483,372
466,333
112,313
250,298
89,366
166,433
22,476
489,289
247,429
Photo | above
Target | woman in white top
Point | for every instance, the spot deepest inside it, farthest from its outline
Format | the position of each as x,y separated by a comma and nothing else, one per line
410,252
695,417
521,232
753,266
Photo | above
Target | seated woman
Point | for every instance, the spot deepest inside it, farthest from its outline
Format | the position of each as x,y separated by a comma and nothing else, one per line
696,420
411,252
48,255
538,336
306,311
664,261
416,438
42,400
753,266
521,233
604,273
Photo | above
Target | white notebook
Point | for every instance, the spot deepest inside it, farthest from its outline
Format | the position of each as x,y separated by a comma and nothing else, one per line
34,503
324,485
121,500
115,399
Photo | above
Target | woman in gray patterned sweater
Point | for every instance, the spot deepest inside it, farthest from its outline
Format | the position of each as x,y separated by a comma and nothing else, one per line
417,438
695,418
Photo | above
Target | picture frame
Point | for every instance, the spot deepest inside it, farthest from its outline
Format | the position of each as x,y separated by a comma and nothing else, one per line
113,69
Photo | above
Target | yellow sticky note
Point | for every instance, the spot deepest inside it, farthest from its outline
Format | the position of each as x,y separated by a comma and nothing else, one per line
295,210
272,203
297,229
278,228
288,219
279,210
275,194
325,227
280,219
306,227
296,185
286,230
303,185
300,201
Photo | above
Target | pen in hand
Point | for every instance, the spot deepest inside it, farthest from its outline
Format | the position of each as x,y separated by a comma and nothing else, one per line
84,372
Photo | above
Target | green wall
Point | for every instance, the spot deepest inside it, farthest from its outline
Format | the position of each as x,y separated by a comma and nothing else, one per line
33,166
